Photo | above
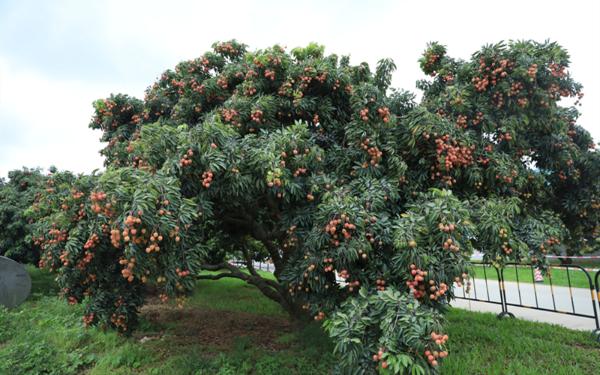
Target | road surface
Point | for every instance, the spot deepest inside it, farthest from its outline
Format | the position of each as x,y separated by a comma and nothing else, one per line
577,300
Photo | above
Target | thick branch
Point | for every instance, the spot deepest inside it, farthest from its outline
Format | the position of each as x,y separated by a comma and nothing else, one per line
269,288
249,263
216,277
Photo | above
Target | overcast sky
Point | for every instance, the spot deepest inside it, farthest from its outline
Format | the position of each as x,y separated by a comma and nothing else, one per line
56,57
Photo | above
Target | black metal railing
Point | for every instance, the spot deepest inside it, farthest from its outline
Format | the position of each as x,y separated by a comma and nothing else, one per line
260,266
490,286
531,296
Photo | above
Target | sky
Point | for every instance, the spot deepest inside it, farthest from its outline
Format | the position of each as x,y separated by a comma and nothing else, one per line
57,57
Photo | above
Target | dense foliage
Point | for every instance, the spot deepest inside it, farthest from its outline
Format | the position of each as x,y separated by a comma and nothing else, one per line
16,196
367,203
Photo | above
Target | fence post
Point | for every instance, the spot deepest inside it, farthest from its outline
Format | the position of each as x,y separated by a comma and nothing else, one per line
596,332
504,312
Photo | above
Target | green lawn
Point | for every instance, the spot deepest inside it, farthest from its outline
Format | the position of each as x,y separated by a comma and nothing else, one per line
229,328
560,276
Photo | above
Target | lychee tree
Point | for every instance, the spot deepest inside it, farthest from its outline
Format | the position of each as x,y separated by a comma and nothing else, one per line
16,195
368,204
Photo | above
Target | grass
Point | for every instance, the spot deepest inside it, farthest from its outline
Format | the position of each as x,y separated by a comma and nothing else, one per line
559,276
233,295
230,328
482,344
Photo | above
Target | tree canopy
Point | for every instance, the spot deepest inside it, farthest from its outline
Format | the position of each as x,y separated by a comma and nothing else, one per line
368,203
16,196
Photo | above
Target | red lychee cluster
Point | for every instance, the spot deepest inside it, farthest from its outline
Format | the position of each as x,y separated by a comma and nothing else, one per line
119,321
64,258
207,178
321,77
379,356
352,284
226,48
155,238
55,236
384,113
449,245
197,87
257,116
448,78
432,356
182,273
491,73
506,248
333,229
276,182
380,284
92,241
292,239
522,102
532,71
222,82
432,59
364,114
77,194
461,121
115,238
186,160
515,88
96,198
478,118
87,259
451,155
436,292
446,228
505,137
270,74
300,171
507,179
549,243
373,151
344,274
88,319
498,99
179,85
285,89
557,70
328,264
417,284
127,272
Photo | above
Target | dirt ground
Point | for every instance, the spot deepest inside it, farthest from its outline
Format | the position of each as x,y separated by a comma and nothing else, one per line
213,328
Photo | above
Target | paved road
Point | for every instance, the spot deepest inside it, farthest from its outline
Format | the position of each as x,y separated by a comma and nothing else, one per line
580,302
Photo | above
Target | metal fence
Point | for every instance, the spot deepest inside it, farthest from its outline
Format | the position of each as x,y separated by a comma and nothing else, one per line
260,266
490,286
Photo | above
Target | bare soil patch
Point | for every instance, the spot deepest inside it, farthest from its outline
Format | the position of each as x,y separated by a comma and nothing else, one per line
216,329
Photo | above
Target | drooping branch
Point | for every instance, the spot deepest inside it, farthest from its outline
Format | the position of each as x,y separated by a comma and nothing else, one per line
269,288
216,277
249,264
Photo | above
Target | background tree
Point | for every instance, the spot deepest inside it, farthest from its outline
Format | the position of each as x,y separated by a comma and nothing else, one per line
16,195
368,204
